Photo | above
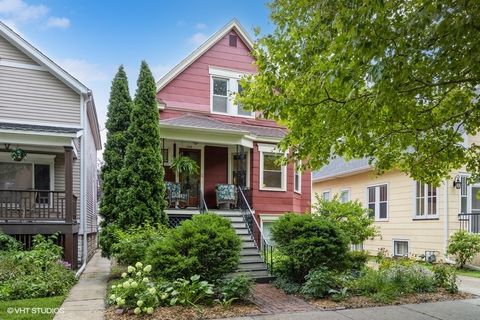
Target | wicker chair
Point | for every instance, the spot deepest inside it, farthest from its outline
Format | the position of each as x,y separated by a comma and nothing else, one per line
226,193
175,194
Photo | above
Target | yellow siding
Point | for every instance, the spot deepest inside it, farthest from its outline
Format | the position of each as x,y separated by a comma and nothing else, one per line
422,234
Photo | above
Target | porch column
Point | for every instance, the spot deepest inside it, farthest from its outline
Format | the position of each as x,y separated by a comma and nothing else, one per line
68,184
69,252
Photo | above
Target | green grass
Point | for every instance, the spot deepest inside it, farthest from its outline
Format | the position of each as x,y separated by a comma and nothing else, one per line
33,309
469,273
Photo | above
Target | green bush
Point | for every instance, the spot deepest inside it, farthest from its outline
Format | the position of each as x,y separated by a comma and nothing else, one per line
8,243
394,279
351,217
445,277
238,287
36,273
108,236
206,246
308,242
186,292
464,246
356,260
322,282
132,245
136,291
287,285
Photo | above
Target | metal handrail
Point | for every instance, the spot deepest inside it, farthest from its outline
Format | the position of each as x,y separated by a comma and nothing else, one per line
267,247
203,204
469,222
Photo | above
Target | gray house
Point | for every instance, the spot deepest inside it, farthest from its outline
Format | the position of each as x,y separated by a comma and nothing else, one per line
49,138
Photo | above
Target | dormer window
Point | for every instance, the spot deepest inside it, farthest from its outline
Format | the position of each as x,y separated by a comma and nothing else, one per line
224,85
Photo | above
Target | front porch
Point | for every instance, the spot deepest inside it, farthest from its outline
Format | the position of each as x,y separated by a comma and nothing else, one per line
37,190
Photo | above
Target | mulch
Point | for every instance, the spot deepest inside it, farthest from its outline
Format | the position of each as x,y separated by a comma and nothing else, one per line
366,302
267,299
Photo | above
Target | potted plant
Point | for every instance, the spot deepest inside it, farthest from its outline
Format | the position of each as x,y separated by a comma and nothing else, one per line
186,166
18,154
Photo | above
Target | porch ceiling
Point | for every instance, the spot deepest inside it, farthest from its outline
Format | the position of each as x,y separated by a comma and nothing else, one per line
51,141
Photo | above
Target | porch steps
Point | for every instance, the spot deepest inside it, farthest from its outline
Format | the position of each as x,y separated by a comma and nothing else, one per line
251,262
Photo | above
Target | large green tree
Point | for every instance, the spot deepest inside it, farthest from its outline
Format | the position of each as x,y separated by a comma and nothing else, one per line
118,120
142,196
395,81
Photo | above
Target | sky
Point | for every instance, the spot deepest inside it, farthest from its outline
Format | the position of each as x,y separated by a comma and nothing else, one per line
90,39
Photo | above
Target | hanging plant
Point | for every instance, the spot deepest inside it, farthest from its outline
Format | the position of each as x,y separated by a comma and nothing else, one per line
18,154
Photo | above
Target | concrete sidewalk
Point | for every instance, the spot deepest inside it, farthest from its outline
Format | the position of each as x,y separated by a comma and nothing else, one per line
87,298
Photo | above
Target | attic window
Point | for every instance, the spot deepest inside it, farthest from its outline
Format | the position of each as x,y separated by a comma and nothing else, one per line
232,40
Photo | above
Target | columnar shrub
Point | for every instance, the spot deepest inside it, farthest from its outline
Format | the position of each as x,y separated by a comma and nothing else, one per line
207,246
308,242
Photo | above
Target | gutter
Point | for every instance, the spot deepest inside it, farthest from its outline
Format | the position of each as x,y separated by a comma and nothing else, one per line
82,185
446,224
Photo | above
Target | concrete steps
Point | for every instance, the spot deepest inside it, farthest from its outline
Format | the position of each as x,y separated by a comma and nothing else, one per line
251,262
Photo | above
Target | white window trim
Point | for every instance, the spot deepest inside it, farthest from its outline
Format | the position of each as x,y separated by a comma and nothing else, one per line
232,78
348,194
270,148
329,194
377,196
400,240
33,159
467,195
427,216
295,172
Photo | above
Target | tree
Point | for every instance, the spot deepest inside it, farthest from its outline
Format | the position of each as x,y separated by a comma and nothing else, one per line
142,196
350,217
397,82
118,119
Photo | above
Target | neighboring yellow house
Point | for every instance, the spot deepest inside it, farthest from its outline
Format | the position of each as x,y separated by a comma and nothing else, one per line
411,216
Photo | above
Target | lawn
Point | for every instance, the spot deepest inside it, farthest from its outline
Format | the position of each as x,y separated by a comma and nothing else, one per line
30,309
469,273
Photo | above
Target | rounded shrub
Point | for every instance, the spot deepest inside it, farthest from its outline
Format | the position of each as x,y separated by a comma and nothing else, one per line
132,245
206,245
308,242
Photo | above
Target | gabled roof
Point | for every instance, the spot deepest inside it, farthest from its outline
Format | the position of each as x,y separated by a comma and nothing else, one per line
36,55
338,167
207,123
233,24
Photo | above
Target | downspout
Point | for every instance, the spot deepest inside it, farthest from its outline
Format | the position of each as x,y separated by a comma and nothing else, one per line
82,183
446,224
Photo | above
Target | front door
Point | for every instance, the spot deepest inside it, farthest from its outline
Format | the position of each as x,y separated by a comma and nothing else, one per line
191,184
474,203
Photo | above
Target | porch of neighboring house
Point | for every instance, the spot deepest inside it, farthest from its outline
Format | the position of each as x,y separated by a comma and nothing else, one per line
37,191
469,217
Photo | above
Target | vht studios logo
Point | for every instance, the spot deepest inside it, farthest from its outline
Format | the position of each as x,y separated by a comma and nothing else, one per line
34,310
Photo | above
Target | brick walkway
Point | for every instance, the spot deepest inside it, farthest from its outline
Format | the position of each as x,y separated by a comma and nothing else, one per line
273,300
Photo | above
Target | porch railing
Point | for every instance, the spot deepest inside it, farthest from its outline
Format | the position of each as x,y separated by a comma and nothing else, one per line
35,206
470,222
267,247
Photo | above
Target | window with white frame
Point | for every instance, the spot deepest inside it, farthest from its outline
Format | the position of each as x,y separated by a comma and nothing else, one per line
273,175
297,179
220,95
326,195
377,201
344,195
464,195
425,200
356,247
224,85
400,248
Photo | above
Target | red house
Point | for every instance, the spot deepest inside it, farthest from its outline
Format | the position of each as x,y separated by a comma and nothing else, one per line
231,145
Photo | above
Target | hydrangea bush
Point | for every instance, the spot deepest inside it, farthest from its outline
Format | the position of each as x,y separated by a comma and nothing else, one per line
136,292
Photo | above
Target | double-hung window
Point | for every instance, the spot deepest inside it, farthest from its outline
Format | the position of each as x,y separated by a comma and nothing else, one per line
224,85
377,201
297,179
344,195
273,175
426,202
326,195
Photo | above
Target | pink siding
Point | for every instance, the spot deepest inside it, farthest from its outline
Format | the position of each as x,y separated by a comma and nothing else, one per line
190,90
